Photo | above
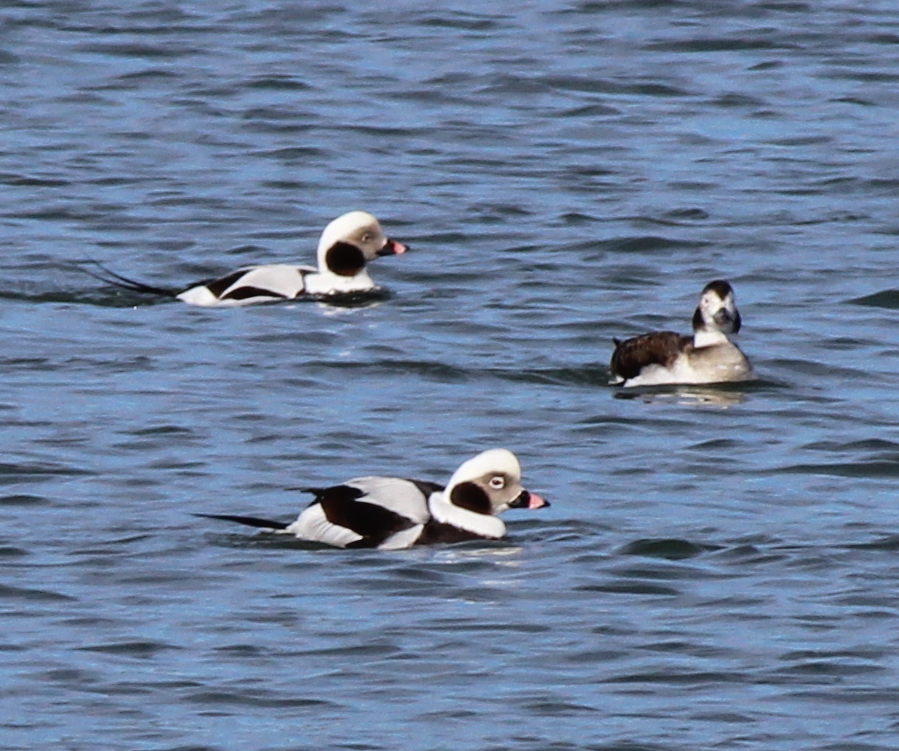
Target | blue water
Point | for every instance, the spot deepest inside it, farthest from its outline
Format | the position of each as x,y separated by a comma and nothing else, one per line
718,568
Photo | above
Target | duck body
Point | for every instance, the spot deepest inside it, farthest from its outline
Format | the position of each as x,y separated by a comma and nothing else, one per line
392,513
274,282
666,357
346,245
249,285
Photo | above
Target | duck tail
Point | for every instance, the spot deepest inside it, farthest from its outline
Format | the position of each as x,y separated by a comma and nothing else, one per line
250,521
111,277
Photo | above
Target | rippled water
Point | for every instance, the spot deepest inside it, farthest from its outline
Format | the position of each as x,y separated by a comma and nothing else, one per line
718,568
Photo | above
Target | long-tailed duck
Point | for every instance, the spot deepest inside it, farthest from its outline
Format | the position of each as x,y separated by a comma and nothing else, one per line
392,513
345,246
665,357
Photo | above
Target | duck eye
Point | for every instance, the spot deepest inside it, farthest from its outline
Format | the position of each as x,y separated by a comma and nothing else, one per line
497,482
366,238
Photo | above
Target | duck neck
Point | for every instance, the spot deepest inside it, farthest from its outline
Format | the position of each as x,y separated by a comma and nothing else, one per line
482,525
709,338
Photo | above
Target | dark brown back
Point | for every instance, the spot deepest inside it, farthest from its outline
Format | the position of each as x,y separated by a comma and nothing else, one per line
657,348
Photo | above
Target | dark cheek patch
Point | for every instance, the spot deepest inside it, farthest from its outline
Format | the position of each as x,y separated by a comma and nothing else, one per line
698,323
469,496
344,259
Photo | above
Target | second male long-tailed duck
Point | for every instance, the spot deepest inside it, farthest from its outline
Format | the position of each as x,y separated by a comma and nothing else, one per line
666,357
345,246
392,513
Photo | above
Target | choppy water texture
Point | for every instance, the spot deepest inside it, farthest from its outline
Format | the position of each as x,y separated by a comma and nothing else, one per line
719,566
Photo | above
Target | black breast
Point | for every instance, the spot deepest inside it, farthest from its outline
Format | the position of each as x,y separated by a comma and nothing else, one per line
438,532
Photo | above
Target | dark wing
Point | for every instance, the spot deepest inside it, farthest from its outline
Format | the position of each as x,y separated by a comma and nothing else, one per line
657,348
265,282
245,293
219,287
343,507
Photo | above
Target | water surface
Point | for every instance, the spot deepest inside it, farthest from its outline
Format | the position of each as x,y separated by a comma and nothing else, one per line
718,567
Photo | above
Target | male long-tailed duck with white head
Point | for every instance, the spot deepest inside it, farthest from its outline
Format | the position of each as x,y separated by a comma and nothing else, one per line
392,513
666,357
345,246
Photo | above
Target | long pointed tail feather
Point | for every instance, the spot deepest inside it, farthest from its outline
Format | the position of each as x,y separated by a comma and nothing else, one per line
111,277
250,521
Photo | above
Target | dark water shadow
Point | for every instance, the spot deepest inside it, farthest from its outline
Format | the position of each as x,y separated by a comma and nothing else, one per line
713,394
671,549
888,298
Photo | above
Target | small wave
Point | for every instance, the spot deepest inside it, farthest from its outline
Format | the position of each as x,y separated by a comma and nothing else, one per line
647,244
143,649
103,298
22,499
589,375
36,472
24,593
888,298
873,468
668,548
256,698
